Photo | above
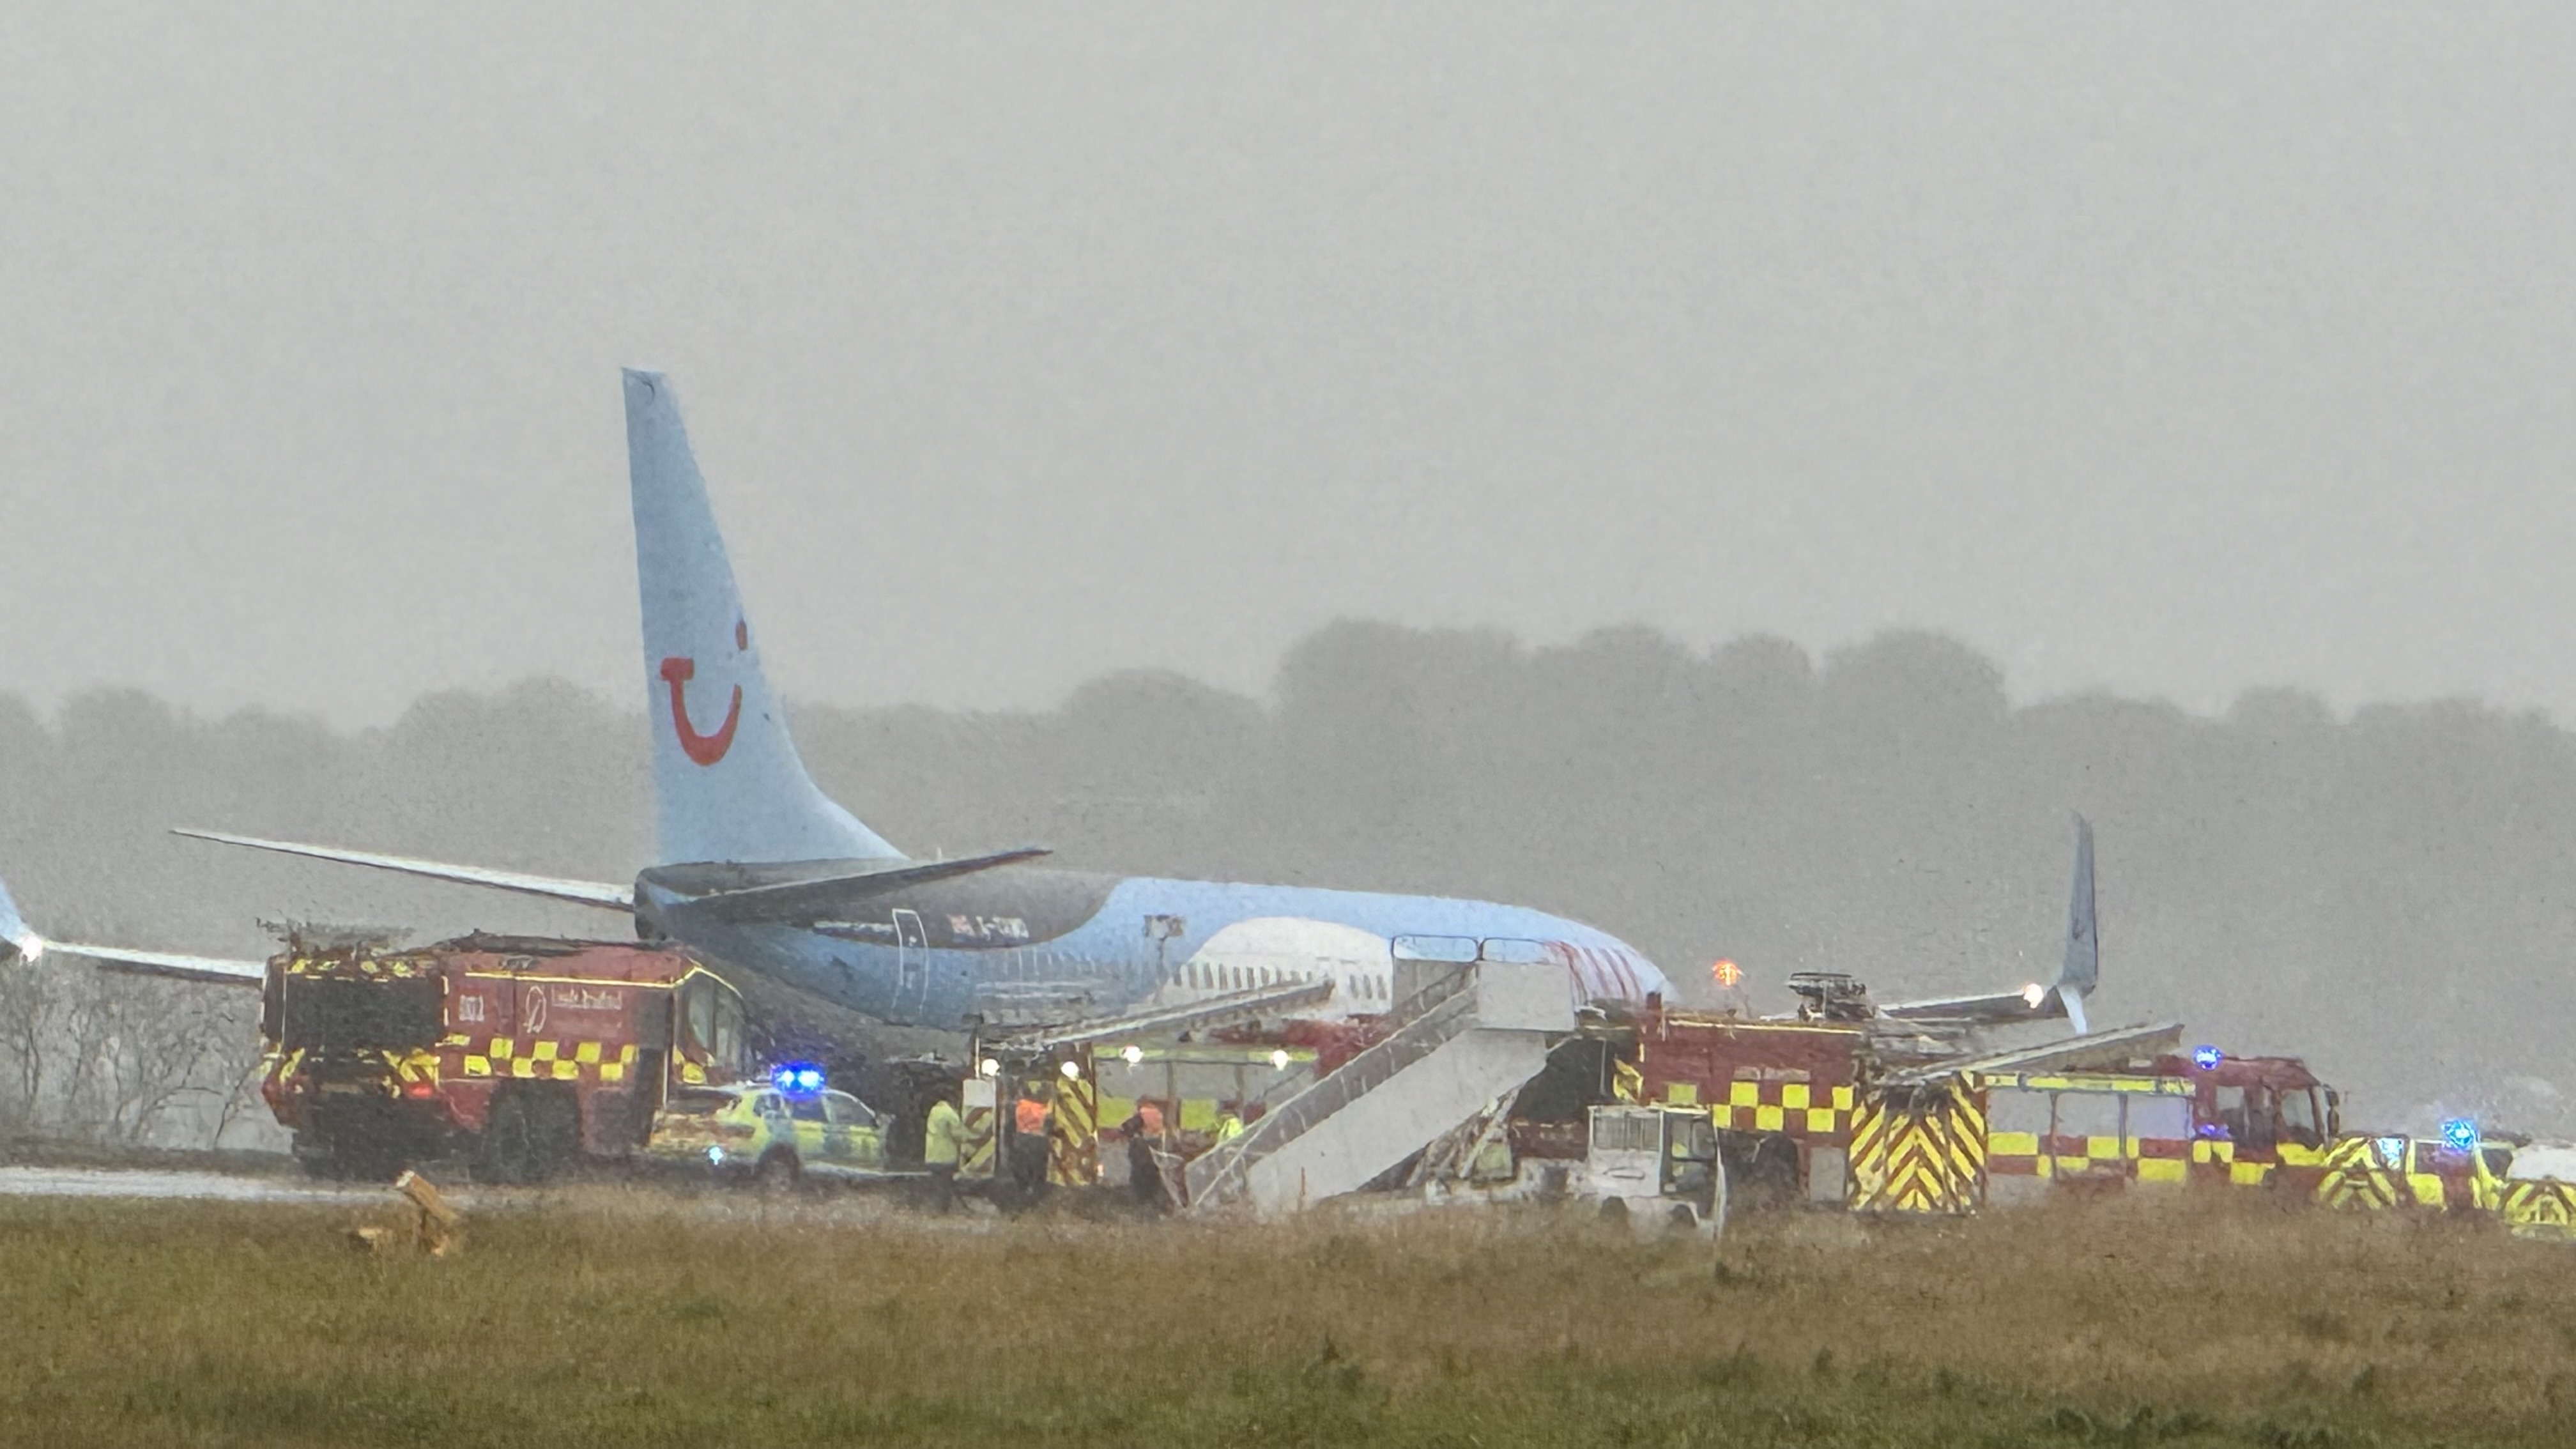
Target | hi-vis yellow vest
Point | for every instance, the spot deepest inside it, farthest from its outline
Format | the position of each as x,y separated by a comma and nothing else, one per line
940,1135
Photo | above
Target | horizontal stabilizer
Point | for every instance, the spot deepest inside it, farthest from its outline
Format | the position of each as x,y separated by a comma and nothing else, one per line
803,902
223,970
579,892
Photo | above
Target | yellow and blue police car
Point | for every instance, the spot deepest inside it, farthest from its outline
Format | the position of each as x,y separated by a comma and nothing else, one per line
771,1132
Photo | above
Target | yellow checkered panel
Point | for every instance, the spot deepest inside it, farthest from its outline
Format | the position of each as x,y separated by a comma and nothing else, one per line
1799,1109
549,1061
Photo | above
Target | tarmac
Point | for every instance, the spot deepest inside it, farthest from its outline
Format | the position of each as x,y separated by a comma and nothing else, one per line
24,1181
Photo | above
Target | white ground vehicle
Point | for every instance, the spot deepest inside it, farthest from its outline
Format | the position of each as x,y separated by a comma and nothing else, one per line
1657,1167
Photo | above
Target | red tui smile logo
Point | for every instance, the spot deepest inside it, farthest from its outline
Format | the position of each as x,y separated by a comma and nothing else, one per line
704,749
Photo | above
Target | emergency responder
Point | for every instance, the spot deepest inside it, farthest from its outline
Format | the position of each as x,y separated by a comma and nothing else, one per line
941,1138
1229,1124
1029,1137
1143,1130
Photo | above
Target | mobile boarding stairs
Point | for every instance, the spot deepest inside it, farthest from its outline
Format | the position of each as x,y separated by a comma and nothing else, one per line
1469,1037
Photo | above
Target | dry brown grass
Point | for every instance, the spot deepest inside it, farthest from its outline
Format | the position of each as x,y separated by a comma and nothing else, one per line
632,1319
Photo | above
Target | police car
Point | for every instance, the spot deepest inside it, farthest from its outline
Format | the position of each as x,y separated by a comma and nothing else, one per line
771,1132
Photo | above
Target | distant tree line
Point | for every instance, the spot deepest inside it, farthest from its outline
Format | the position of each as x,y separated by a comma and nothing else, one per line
2385,894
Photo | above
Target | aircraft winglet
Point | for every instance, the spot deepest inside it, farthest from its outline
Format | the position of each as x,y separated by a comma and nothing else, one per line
15,938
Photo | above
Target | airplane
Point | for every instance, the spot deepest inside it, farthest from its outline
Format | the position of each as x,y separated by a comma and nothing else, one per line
761,872
20,942
1838,997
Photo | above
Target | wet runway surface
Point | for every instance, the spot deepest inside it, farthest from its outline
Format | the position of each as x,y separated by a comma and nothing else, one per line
24,1181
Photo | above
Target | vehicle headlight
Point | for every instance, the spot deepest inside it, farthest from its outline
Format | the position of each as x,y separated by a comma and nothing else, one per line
715,1157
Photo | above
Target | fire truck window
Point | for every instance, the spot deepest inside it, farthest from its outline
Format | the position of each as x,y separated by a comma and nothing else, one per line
2015,1110
702,1014
2088,1114
2299,1119
2498,1159
2163,1118
2231,1111
2262,1126
726,1048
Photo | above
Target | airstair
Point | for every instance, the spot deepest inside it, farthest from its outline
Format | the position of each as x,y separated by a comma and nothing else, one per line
1466,1039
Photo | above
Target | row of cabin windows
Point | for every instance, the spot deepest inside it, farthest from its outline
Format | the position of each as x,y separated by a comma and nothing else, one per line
1209,977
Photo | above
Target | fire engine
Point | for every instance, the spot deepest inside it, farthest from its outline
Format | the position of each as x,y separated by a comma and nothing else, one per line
523,1055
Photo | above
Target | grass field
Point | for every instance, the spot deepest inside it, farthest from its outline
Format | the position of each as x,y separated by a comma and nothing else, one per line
606,1317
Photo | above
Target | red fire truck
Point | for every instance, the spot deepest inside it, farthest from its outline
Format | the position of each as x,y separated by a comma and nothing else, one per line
521,1054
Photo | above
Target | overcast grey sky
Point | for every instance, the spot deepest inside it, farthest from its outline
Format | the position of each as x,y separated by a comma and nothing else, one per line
2174,349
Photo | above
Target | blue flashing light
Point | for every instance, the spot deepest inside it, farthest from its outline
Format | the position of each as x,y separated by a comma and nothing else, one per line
2460,1135
2207,1058
797,1079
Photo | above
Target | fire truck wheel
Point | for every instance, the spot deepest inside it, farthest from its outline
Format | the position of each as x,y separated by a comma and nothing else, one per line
503,1153
554,1122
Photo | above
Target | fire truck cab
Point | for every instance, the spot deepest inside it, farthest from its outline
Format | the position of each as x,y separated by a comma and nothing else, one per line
522,1054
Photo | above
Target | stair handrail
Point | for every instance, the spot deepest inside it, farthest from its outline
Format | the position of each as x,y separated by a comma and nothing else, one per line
1216,1169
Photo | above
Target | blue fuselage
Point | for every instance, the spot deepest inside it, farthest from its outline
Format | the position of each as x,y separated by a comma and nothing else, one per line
1003,942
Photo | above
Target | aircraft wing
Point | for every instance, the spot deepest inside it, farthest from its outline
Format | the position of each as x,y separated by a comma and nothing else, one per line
223,970
803,902
2029,1004
580,892
19,943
